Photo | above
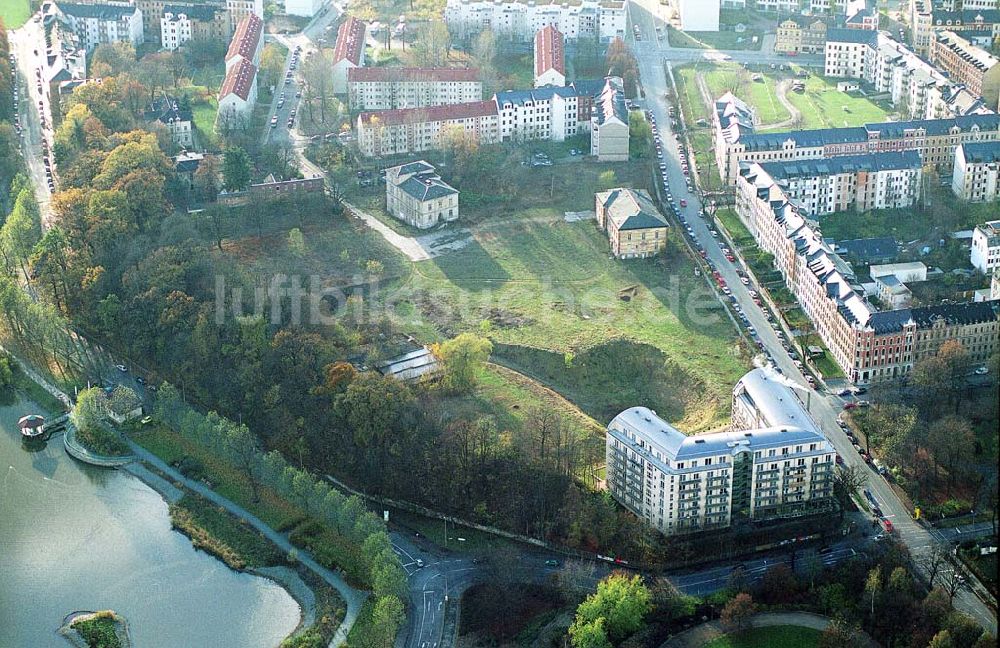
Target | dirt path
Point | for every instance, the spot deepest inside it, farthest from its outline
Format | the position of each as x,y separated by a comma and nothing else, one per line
781,91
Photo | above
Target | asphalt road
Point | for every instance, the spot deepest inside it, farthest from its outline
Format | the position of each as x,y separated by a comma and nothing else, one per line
823,405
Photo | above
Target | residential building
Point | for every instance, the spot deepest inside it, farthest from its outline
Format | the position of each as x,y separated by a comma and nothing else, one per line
175,30
349,51
186,164
780,6
733,4
985,255
868,344
699,15
389,88
247,42
967,64
412,130
968,5
175,118
976,175
890,282
801,34
861,183
634,225
781,467
307,8
863,19
519,20
934,139
550,57
549,113
272,189
240,9
925,20
732,118
609,128
237,96
868,250
182,23
416,195
209,19
97,24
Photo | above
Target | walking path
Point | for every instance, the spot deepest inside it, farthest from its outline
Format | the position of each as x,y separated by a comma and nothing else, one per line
781,91
352,597
700,635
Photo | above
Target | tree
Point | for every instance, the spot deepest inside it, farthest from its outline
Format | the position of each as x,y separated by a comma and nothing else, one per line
387,616
846,484
432,45
235,169
873,584
619,608
90,409
206,179
737,613
589,634
318,83
952,442
462,359
840,634
932,562
941,640
6,372
272,65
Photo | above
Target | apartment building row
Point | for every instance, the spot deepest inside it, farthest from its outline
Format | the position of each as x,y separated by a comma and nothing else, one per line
868,344
521,19
925,19
802,34
207,17
915,86
888,180
549,113
104,23
774,464
976,174
934,139
968,64
389,88
238,93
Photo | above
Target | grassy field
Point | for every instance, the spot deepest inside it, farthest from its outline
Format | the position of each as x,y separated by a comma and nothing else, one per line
732,77
223,535
14,13
823,106
737,230
770,637
723,40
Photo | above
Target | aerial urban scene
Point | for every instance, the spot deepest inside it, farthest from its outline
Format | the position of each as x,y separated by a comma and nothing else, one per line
499,323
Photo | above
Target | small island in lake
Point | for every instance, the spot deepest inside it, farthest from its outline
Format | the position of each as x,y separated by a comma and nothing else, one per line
103,629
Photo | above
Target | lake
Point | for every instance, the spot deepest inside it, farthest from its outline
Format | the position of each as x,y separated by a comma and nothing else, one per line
76,537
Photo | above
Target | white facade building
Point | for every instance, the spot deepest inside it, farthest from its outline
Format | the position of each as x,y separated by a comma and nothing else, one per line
602,19
609,127
412,130
237,96
699,15
175,30
976,174
549,113
985,254
349,51
387,88
416,195
775,464
307,8
97,24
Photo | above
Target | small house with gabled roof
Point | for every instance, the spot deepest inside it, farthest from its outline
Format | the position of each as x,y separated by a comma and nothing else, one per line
416,195
634,225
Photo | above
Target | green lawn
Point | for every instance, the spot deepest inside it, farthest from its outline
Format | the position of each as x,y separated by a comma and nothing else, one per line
769,637
823,106
732,77
723,40
737,230
204,113
14,13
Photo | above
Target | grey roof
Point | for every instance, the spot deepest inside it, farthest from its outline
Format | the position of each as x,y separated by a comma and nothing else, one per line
771,395
966,17
858,18
869,249
409,365
419,180
631,210
610,103
937,126
102,11
521,97
925,316
167,110
888,161
981,151
202,12
587,87
859,36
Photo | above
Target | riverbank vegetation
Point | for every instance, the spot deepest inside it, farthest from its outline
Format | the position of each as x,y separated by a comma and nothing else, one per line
100,630
93,432
223,535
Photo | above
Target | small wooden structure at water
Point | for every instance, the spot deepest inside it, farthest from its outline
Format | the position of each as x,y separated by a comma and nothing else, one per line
34,428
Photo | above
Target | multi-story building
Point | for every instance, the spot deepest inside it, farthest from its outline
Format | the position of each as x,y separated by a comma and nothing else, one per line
349,51
237,96
307,8
514,19
97,24
176,119
699,15
182,23
209,19
240,9
863,19
869,345
840,8
934,139
609,127
775,463
549,113
968,64
968,5
247,42
801,34
985,255
634,225
860,182
976,175
388,88
412,130
175,30
550,57
416,195
925,20
780,6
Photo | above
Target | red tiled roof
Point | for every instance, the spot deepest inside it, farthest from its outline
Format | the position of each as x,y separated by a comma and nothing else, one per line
239,80
350,41
361,74
246,38
431,113
549,51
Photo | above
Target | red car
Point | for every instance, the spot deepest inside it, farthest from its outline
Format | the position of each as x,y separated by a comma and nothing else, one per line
684,203
850,406
887,525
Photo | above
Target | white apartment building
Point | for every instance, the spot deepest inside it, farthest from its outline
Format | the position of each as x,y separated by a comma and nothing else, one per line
959,5
240,9
985,255
699,15
175,30
781,6
416,195
550,113
307,8
387,88
851,182
609,127
412,130
774,464
976,175
550,57
349,51
521,20
96,24
734,4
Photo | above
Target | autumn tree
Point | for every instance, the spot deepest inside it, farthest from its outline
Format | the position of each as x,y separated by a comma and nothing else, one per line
432,45
737,613
617,610
462,359
272,66
952,443
235,169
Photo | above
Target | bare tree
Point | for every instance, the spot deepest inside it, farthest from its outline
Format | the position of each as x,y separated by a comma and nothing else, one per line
952,582
933,562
